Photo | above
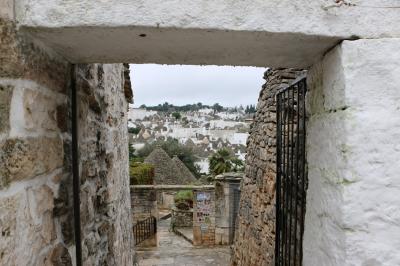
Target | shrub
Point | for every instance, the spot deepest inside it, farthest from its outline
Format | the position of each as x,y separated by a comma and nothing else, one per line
177,115
134,130
184,197
141,173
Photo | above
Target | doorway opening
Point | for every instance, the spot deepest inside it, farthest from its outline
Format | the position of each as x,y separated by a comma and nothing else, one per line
188,130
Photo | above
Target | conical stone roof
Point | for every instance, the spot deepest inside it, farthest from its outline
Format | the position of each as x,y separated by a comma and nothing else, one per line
165,170
186,175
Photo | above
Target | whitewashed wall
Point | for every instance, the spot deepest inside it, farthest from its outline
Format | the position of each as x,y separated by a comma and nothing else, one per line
353,154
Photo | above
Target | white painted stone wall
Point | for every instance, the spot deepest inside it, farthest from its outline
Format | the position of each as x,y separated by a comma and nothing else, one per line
353,154
281,33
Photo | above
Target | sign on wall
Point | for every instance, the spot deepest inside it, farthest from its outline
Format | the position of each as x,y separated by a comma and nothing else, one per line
204,209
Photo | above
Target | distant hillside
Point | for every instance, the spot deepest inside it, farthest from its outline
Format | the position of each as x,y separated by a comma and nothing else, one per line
170,108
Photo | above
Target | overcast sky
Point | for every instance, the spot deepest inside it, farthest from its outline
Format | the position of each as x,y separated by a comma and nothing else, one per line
179,85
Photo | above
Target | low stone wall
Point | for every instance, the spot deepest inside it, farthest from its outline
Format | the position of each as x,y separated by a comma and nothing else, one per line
255,237
182,218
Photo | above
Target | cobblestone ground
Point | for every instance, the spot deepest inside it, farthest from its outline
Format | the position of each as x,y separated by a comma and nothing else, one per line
176,251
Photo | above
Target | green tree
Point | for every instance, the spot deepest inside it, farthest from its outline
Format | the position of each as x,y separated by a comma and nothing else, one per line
134,130
177,115
250,109
220,162
237,165
217,108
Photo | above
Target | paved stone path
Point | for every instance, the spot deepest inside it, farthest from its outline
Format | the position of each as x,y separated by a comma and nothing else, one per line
174,250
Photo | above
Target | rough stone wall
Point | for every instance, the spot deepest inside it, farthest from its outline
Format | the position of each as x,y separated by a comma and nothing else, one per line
182,218
103,146
35,180
204,217
225,186
36,218
144,203
166,199
255,237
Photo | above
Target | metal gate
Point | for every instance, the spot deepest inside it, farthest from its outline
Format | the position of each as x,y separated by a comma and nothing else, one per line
143,230
291,183
235,211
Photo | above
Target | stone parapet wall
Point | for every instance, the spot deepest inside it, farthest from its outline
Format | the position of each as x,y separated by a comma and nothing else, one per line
255,237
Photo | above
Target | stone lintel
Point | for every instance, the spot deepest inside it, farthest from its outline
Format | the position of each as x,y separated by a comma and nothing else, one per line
284,33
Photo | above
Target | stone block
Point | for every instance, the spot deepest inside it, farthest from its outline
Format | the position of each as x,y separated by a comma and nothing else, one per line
62,117
7,9
58,256
26,225
5,104
27,158
40,111
8,227
22,59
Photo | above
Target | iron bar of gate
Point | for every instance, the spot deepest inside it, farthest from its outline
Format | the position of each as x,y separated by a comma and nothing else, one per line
144,229
278,220
291,182
303,173
234,220
296,172
291,175
75,167
286,175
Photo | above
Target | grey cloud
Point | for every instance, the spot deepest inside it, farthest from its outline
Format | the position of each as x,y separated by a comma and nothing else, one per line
227,85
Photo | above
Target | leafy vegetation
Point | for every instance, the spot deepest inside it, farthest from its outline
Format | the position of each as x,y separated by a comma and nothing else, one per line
250,109
173,148
134,130
237,165
141,173
217,108
167,107
183,197
222,161
177,115
170,108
